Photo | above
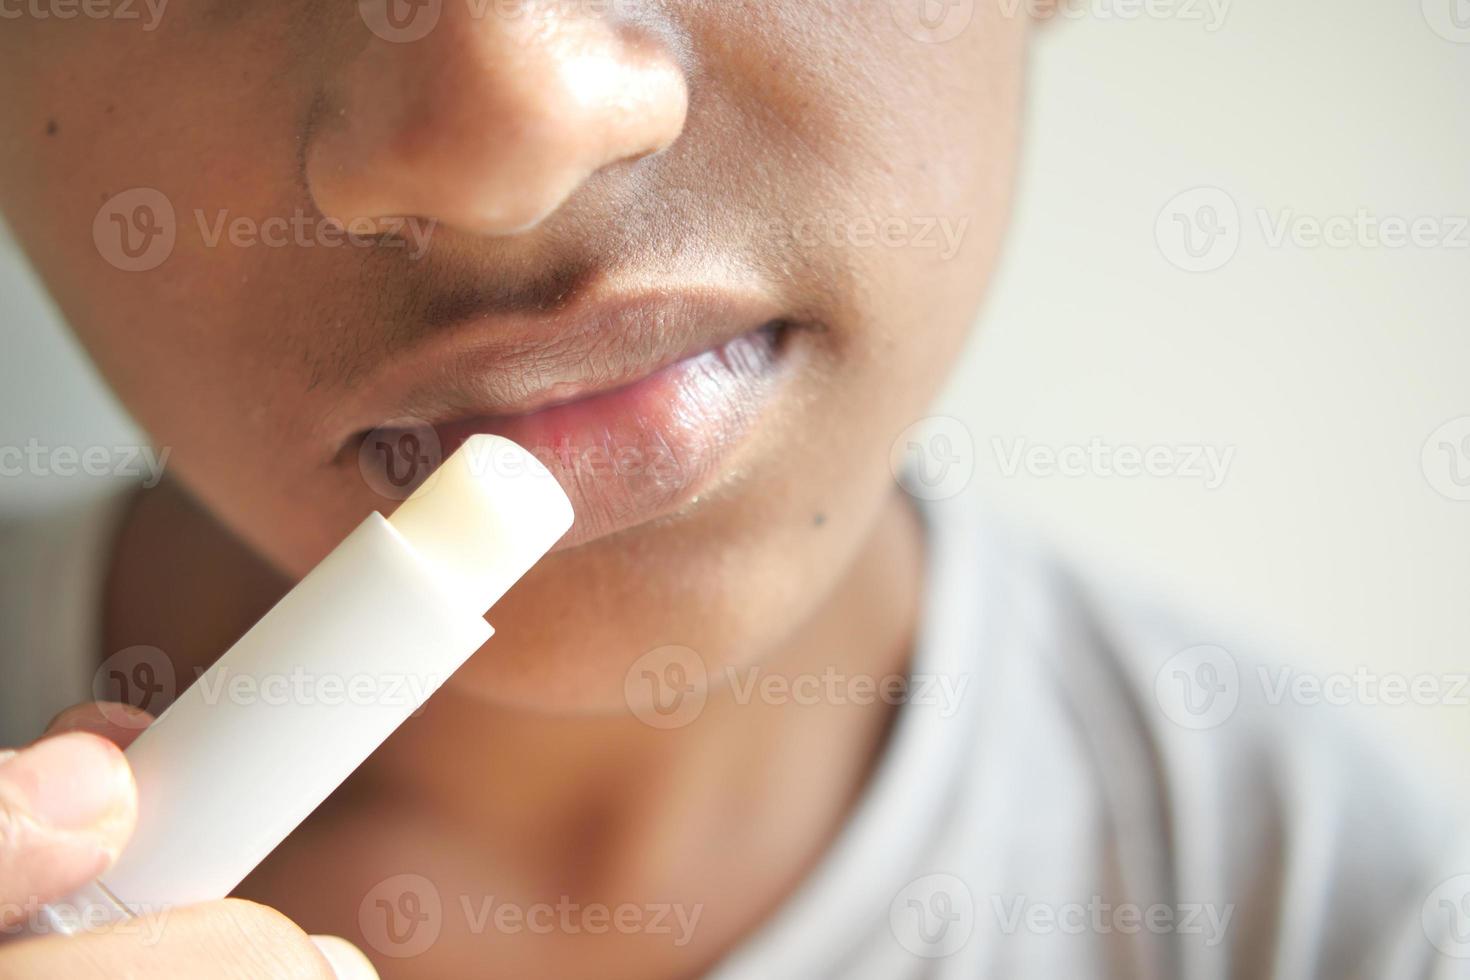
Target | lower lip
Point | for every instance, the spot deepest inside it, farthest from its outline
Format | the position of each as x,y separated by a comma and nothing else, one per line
641,451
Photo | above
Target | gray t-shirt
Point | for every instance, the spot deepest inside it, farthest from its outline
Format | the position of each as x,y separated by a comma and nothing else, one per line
1079,786
1116,794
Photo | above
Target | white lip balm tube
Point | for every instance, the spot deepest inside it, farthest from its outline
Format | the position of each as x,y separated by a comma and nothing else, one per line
276,724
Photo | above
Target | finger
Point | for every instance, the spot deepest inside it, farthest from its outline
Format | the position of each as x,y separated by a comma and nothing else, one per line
67,807
118,723
347,961
229,940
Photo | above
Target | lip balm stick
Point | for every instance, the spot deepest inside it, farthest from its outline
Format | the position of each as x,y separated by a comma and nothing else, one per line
269,731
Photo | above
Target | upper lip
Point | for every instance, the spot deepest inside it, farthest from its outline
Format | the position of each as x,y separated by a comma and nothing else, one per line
508,364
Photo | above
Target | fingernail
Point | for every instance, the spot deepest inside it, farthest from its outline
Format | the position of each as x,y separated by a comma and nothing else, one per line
348,962
71,782
100,718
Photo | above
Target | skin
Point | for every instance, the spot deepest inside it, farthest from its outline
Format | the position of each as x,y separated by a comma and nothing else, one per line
710,140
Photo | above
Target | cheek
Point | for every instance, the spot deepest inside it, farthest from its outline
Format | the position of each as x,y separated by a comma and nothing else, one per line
899,156
214,347
110,204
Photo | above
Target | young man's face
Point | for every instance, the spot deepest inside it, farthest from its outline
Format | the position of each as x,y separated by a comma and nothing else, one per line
706,257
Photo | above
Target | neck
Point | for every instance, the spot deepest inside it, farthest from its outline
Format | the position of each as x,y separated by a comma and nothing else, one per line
731,810
791,764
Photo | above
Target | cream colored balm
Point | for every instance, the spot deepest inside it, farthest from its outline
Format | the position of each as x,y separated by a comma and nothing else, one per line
357,646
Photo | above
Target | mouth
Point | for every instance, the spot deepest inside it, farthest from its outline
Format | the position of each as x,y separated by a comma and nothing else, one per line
637,406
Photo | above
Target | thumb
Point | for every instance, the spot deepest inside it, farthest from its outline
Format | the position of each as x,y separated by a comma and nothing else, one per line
67,807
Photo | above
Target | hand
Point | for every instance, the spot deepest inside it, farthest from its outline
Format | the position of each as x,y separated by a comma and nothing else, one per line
67,806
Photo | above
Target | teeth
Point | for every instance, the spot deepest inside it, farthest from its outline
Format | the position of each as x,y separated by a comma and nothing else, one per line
751,353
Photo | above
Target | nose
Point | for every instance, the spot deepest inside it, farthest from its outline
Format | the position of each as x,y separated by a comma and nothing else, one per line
492,118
